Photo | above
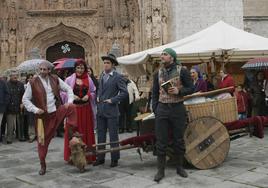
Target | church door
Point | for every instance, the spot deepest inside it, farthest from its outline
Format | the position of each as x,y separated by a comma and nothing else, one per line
64,49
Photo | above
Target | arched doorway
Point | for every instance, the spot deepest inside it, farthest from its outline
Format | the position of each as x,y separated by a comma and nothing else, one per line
65,49
55,36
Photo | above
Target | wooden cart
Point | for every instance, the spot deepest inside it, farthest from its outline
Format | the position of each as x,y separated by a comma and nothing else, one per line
207,139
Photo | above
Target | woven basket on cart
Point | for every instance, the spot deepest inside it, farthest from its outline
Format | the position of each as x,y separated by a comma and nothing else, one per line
224,110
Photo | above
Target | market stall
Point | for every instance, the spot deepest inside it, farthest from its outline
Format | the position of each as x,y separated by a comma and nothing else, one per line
221,42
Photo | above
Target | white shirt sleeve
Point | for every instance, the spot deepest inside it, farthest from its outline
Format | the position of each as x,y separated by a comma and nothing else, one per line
26,99
65,87
136,91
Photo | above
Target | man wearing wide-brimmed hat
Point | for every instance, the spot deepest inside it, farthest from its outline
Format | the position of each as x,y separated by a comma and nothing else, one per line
112,90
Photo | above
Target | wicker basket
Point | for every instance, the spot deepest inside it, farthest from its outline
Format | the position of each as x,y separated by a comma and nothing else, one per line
224,109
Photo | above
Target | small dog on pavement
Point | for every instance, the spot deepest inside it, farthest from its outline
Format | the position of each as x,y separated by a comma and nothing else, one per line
78,156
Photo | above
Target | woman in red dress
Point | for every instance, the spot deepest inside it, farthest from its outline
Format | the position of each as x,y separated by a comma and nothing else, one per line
84,99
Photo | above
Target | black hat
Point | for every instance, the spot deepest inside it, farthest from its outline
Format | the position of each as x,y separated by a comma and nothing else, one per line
110,57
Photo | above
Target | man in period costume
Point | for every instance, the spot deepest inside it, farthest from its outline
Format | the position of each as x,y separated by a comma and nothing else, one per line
112,90
42,97
169,110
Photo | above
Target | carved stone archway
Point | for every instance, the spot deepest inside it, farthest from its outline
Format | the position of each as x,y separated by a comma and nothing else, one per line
60,33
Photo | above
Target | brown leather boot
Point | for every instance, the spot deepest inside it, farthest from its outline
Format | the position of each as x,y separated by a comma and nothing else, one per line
42,171
161,163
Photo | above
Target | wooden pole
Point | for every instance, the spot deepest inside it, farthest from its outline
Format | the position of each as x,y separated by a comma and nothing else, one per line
238,131
209,93
110,150
104,144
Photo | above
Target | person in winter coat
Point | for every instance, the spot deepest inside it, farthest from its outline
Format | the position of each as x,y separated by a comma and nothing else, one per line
15,107
4,98
199,84
226,81
126,106
242,102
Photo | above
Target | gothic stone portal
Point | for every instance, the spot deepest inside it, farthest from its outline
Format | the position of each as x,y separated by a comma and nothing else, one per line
93,24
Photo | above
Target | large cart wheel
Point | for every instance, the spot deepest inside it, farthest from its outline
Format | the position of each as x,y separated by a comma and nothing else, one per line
207,142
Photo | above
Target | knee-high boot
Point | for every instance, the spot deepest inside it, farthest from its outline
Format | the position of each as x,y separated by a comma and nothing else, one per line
161,163
42,171
179,167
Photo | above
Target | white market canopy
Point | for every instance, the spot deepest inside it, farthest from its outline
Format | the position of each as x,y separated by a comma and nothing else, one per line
216,38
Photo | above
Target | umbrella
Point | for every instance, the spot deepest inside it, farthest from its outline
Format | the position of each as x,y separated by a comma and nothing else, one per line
65,63
30,65
257,64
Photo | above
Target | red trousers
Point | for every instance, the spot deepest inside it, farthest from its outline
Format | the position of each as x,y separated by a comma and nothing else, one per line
51,123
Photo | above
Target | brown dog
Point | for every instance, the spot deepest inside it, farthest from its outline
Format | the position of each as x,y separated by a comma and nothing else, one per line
78,157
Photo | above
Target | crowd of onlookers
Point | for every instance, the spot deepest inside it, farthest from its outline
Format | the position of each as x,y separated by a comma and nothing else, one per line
251,96
13,116
16,120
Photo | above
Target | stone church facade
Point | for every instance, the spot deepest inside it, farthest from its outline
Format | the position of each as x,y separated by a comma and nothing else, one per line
91,28
69,25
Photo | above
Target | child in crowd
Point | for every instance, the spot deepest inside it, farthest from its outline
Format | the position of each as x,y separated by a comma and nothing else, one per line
242,102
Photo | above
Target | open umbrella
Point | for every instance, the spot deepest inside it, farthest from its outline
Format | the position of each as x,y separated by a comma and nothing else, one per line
65,63
257,64
31,65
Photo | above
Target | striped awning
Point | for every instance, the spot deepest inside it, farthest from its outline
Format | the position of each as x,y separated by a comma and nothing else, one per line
257,63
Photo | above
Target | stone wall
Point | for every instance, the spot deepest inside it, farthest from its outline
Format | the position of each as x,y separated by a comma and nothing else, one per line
255,8
155,19
257,26
256,17
190,16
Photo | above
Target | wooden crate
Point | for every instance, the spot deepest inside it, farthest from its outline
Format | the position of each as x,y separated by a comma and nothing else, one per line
207,142
224,109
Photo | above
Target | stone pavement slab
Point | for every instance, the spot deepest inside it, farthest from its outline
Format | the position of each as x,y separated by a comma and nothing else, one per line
66,182
245,167
130,182
262,170
11,183
194,180
230,184
99,176
252,178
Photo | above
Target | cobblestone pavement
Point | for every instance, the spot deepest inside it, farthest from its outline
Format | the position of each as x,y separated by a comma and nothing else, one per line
245,167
